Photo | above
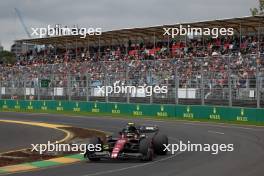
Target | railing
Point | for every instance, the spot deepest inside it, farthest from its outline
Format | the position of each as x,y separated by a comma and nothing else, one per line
232,81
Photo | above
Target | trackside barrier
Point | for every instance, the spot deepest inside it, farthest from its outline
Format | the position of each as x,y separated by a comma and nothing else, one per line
195,112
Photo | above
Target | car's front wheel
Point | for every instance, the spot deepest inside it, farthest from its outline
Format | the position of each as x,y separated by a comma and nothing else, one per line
90,154
159,142
145,148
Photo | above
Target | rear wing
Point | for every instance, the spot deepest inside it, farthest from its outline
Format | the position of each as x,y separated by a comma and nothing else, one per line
148,129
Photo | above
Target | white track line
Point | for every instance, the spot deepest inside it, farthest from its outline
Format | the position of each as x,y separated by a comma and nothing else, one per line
136,166
216,132
132,167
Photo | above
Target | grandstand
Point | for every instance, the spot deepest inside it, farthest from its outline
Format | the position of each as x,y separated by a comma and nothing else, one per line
228,70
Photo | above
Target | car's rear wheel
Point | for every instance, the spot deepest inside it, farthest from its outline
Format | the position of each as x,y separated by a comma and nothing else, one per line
145,148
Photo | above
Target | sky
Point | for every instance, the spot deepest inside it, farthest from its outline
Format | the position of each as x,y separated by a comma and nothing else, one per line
111,14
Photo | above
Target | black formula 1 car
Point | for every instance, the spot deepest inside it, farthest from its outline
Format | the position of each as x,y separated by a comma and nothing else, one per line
141,142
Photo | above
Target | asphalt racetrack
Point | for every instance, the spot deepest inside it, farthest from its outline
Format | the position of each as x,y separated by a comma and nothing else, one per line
247,159
16,136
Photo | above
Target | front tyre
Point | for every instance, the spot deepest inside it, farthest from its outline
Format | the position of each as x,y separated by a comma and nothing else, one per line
159,140
91,154
145,148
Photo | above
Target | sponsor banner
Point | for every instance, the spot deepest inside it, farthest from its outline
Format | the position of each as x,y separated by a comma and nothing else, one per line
187,112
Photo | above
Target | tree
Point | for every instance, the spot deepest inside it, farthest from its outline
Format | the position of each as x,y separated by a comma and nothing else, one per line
7,57
258,11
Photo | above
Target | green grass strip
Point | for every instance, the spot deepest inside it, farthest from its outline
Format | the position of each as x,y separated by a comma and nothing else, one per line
45,163
2,171
41,164
76,156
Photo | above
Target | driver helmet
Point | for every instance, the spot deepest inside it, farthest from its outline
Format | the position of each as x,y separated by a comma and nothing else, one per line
130,129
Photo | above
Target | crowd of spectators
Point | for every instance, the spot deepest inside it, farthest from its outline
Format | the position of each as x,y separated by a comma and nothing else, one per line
144,63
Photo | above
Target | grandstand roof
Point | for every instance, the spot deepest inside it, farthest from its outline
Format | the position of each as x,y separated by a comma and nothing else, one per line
248,24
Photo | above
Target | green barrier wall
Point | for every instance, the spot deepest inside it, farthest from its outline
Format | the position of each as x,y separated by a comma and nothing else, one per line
139,110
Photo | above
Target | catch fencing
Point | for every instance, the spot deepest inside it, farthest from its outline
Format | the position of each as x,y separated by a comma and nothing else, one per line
225,80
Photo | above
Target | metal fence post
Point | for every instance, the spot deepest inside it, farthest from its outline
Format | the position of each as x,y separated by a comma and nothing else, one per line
24,86
53,86
176,79
105,84
257,85
127,84
151,83
1,87
202,83
38,87
257,71
87,87
69,87
12,86
230,103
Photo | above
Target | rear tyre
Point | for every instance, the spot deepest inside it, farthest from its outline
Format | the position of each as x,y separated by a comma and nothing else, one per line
159,140
90,154
145,148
